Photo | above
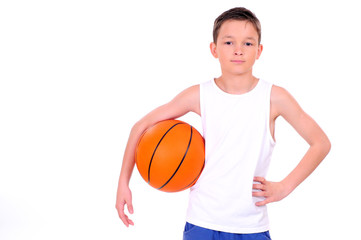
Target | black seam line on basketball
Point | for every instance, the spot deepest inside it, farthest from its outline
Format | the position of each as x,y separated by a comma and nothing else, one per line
193,179
185,154
151,160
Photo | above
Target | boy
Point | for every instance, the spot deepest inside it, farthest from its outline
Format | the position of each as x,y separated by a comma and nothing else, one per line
238,114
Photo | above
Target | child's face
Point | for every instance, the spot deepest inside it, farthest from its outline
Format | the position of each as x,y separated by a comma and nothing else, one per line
237,47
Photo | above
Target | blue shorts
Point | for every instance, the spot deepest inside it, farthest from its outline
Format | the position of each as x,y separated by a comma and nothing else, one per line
193,232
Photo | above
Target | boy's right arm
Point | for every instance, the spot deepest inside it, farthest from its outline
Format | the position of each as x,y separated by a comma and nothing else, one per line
186,101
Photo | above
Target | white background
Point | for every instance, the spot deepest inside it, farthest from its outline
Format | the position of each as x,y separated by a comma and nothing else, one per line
76,75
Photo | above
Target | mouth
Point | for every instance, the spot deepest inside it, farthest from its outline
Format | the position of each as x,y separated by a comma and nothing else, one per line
237,61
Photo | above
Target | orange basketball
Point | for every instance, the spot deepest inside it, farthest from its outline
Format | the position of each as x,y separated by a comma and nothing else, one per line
170,155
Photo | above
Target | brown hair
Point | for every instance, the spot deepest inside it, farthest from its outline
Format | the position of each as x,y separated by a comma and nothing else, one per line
238,13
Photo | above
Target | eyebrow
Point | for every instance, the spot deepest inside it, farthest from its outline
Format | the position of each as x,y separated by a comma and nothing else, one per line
229,36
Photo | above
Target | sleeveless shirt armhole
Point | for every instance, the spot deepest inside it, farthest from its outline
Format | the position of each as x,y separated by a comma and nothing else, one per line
201,102
272,140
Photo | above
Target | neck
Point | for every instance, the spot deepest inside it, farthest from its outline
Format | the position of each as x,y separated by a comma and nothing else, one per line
234,84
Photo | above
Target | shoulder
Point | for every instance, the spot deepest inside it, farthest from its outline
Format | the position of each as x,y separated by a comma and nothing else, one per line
190,92
285,105
188,99
279,93
193,89
282,102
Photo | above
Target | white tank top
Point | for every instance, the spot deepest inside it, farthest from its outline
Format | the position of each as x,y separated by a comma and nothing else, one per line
239,146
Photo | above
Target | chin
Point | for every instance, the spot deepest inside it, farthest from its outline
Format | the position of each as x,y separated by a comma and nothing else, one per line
240,73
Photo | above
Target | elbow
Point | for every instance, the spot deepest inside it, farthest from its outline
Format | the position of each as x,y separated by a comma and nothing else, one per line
325,146
322,145
328,146
139,127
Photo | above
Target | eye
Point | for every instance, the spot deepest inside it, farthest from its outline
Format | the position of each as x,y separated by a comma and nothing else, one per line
248,44
228,43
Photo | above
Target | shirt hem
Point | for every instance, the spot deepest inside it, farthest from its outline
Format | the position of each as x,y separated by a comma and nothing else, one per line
238,230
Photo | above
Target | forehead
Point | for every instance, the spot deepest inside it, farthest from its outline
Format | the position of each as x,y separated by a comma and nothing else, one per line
237,28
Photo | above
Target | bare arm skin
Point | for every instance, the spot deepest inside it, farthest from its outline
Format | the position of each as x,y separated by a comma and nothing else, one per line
186,101
283,104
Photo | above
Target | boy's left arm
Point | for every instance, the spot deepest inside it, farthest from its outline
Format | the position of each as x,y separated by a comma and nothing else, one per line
283,104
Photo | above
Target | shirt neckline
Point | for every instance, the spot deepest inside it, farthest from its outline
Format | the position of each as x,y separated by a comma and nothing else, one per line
235,95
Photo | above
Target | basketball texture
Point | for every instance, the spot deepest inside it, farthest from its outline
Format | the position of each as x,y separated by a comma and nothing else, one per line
170,155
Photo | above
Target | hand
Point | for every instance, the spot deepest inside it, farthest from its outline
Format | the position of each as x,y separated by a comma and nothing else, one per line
271,191
124,196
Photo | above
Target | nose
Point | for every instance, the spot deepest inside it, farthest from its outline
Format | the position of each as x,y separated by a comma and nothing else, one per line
238,51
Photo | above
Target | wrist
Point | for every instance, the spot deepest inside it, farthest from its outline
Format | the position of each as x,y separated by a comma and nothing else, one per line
288,186
123,181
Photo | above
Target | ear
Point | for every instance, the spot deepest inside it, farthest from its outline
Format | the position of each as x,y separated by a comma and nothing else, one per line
260,49
213,48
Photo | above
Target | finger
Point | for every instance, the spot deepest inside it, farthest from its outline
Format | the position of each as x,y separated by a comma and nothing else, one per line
130,222
259,187
259,194
122,215
124,219
262,203
259,179
130,207
120,209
